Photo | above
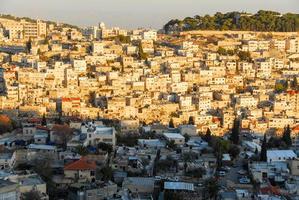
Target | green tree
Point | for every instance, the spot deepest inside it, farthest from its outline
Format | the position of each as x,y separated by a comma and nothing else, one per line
43,167
31,195
167,164
211,188
105,147
235,132
127,139
263,20
106,173
189,156
222,51
171,144
264,149
234,151
286,136
244,56
28,45
295,83
256,152
171,124
196,173
82,150
279,87
187,137
44,120
141,53
191,120
208,136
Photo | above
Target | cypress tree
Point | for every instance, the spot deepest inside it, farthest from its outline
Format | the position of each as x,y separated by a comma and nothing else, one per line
44,120
191,121
264,149
286,137
171,124
208,136
235,132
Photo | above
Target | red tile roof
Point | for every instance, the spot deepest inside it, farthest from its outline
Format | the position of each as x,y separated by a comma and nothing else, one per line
42,128
295,128
292,92
82,164
65,99
34,120
270,190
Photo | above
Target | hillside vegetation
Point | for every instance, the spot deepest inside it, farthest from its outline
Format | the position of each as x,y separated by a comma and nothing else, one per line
268,21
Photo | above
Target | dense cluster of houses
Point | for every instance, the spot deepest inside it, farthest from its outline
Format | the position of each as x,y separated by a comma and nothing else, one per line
107,113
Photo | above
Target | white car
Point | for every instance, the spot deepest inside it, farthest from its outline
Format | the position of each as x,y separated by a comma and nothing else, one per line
221,173
244,180
241,172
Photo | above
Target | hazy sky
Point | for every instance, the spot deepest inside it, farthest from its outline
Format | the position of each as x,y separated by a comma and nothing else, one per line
134,13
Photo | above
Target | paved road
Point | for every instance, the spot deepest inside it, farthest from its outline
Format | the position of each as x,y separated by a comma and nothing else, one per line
232,175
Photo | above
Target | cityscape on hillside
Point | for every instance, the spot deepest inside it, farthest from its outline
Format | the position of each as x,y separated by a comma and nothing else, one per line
206,108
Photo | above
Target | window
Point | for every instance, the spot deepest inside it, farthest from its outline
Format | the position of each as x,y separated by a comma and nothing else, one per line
92,173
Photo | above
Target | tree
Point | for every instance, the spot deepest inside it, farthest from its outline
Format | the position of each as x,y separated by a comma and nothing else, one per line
222,51
234,150
211,188
127,139
276,142
208,136
167,164
142,55
43,167
105,147
256,152
171,144
28,45
191,120
82,150
235,134
171,124
264,149
279,87
44,120
286,136
123,39
295,83
31,195
267,21
5,124
196,173
63,132
187,137
189,156
106,173
58,120
245,56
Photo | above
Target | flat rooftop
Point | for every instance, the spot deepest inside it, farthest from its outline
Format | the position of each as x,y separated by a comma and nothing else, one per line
281,153
173,136
178,186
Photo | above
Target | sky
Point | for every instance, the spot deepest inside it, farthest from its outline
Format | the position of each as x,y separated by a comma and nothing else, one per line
134,13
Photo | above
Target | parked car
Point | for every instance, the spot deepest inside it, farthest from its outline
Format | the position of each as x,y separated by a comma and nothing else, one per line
221,173
227,168
244,180
242,172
